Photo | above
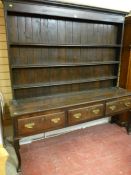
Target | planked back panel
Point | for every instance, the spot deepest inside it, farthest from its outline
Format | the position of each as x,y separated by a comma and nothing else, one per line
52,55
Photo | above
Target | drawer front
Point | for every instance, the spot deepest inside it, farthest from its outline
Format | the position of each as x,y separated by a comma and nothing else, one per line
84,114
118,105
30,125
96,111
36,124
76,115
53,121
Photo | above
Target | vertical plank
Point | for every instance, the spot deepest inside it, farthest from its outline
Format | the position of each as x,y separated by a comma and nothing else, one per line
61,31
41,75
108,34
21,28
102,36
118,33
36,55
76,37
69,55
83,33
28,30
100,31
74,75
62,56
113,54
115,40
53,39
36,27
52,31
54,74
69,30
29,56
105,34
85,72
76,33
105,54
15,76
90,37
98,54
76,58
44,56
90,54
83,56
23,55
95,34
63,72
15,57
53,55
13,28
44,30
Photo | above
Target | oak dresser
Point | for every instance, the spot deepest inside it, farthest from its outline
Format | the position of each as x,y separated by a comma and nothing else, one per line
64,65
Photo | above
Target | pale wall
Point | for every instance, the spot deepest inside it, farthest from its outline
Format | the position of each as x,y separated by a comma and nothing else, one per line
122,5
5,85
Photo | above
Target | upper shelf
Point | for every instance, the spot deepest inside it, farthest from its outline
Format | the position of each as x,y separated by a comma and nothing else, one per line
64,64
65,45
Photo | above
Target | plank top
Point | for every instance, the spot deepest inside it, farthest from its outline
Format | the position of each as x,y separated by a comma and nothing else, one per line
41,104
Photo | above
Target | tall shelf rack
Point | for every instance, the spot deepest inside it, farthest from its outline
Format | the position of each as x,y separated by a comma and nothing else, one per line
56,53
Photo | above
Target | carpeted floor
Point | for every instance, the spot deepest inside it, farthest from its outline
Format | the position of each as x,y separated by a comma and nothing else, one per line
98,150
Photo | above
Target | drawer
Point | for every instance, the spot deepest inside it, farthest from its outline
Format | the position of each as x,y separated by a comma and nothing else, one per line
118,105
54,121
36,124
84,114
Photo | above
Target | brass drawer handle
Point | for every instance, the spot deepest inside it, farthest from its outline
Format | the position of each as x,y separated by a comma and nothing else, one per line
127,104
55,120
29,125
77,116
112,107
96,111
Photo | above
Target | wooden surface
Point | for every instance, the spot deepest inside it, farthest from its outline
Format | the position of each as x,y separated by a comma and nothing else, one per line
125,73
70,11
32,116
58,48
41,104
129,73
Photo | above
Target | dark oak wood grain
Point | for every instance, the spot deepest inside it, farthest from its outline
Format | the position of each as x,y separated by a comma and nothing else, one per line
43,103
73,48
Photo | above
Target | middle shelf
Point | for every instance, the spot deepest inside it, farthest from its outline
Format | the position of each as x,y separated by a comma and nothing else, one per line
58,83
